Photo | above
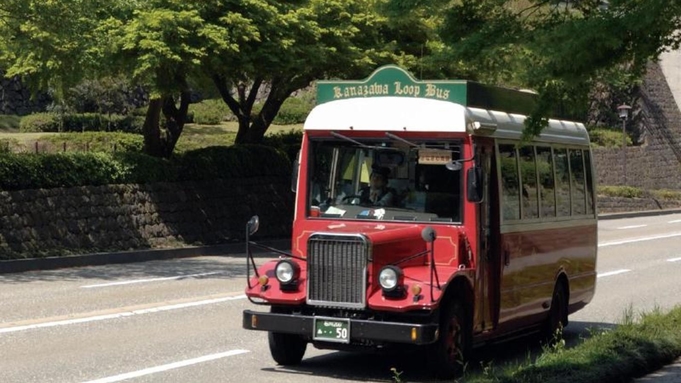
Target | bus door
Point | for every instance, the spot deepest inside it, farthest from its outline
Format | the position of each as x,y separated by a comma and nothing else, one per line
488,262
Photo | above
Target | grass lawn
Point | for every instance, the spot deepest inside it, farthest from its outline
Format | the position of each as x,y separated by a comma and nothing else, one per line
193,137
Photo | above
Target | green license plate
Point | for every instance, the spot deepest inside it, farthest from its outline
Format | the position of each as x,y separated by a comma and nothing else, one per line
332,330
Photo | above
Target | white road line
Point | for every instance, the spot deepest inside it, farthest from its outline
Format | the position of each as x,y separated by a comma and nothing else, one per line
675,221
148,280
631,227
613,273
673,259
166,367
151,310
614,243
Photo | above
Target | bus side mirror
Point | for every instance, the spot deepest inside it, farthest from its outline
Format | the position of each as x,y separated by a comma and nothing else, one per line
474,184
294,173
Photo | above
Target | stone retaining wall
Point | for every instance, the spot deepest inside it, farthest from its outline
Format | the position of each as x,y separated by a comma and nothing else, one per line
38,223
16,99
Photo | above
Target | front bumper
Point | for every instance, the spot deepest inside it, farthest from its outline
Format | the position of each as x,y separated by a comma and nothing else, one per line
360,329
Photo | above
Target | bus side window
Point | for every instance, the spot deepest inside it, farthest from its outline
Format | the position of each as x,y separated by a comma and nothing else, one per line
589,183
578,184
510,195
528,176
547,196
562,182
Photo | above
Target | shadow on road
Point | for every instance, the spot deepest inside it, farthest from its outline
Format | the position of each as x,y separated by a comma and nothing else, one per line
224,267
376,366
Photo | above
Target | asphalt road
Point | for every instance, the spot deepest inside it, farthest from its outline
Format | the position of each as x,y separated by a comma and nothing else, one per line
180,320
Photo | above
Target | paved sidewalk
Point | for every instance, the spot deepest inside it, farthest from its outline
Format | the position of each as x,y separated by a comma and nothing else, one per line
668,374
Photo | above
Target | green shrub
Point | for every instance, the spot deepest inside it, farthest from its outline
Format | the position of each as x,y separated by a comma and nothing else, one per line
210,112
9,122
293,111
85,122
620,191
288,142
222,162
39,122
608,138
666,194
42,171
96,142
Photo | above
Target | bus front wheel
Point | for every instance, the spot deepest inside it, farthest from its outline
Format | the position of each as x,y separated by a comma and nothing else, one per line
286,349
448,354
557,319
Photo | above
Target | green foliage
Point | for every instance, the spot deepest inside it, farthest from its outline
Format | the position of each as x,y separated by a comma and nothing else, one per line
108,95
636,346
665,194
563,50
620,191
39,122
42,171
233,162
86,122
289,142
96,142
210,112
293,111
9,122
607,138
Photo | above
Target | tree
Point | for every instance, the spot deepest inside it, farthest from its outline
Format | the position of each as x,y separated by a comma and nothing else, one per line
562,49
244,49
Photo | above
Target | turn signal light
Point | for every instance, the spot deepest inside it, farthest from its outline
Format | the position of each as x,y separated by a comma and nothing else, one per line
415,290
263,280
414,333
254,321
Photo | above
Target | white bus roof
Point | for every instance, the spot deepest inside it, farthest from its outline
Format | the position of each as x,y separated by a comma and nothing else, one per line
407,114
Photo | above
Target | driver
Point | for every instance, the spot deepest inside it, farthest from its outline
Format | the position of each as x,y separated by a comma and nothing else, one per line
378,193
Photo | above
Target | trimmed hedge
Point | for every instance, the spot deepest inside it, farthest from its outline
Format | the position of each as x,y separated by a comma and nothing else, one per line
86,122
44,171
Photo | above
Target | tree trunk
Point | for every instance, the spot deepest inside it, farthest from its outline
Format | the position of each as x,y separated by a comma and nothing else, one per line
162,145
151,129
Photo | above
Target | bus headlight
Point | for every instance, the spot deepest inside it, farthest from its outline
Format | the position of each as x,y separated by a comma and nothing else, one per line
287,272
391,279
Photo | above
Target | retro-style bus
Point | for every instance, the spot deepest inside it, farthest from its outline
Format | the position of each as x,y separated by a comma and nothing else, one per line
485,236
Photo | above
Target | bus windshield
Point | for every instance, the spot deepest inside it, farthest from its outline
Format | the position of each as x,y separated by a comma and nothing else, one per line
385,180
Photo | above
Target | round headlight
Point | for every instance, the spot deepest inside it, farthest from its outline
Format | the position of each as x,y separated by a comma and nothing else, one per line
388,278
286,271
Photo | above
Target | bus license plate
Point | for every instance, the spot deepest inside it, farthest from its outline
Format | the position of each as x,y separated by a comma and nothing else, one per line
332,330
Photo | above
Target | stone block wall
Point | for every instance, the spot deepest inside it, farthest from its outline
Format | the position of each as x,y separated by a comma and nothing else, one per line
38,223
16,99
657,163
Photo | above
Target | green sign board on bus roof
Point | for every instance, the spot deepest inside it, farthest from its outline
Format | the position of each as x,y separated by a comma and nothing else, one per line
391,80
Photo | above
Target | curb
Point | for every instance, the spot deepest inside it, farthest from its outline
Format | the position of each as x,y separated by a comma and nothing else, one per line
98,259
632,214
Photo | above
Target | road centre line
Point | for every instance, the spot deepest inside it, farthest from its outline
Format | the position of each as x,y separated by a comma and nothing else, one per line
169,366
623,242
613,273
123,314
674,259
630,227
148,280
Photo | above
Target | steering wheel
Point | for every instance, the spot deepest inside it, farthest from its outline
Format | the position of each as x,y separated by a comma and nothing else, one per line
351,197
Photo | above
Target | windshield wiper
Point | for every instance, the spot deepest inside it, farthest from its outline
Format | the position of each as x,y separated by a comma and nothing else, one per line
394,137
338,135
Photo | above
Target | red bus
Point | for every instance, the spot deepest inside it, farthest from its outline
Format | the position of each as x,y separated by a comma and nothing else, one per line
482,235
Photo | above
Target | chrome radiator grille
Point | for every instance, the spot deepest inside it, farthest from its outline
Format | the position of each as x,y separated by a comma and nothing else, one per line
336,267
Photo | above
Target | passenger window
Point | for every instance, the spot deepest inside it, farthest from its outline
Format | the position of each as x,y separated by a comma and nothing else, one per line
547,192
578,184
510,196
562,182
589,184
528,175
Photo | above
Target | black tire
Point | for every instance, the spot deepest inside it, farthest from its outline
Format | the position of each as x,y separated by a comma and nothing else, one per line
447,356
286,349
558,314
